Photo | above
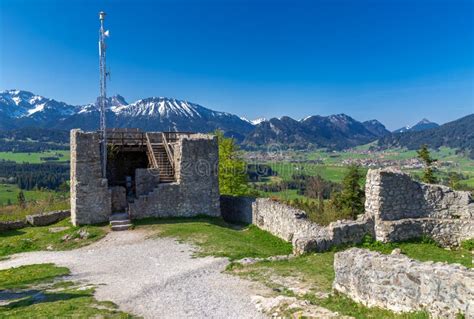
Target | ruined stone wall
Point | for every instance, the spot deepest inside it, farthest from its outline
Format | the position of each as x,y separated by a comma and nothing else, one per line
282,220
405,209
196,191
90,195
292,224
401,284
146,179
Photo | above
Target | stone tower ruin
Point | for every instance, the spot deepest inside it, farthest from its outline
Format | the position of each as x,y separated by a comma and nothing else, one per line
149,174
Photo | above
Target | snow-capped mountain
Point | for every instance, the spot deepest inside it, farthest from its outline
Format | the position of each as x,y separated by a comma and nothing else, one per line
258,121
21,108
422,125
26,107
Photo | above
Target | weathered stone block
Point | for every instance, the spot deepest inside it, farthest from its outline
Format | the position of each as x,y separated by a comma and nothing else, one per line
47,218
401,284
11,225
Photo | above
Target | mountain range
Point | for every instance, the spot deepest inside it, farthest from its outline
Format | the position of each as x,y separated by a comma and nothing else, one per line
458,134
20,109
422,125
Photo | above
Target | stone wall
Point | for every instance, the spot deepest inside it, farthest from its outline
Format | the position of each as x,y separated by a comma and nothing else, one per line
196,191
12,225
42,219
402,284
338,233
90,195
292,224
146,179
118,199
405,209
48,218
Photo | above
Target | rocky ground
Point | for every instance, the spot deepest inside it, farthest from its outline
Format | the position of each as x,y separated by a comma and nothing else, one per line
154,278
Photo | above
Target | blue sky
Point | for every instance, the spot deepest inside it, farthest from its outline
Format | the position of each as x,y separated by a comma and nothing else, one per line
394,60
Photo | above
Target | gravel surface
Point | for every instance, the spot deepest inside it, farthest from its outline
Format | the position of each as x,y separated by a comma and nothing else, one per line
153,278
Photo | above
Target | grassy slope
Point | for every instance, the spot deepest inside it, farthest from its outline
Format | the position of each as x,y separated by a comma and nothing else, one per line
40,238
33,158
424,250
217,238
9,191
328,172
16,212
43,299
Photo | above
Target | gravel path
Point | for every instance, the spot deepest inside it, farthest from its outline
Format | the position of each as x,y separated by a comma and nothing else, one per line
153,278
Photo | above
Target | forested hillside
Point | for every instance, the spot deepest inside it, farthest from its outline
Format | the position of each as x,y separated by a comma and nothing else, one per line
457,134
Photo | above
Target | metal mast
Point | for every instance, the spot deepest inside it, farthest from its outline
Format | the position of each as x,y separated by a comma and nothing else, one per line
103,95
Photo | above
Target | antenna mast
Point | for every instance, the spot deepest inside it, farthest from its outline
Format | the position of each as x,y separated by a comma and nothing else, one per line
103,94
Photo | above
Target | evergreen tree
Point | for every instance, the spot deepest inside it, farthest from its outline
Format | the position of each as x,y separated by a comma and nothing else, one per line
428,173
233,178
21,199
453,180
350,201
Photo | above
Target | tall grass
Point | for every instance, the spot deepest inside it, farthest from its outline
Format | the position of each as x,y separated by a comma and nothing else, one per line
18,212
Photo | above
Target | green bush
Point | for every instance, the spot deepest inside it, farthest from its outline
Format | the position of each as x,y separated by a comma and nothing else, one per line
468,244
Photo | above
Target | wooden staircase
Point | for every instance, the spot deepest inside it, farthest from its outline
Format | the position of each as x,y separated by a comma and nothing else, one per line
161,157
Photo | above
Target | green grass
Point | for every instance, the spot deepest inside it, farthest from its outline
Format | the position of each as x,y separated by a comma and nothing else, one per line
34,158
314,269
424,250
16,212
285,195
37,297
41,238
348,307
22,277
217,238
329,172
10,192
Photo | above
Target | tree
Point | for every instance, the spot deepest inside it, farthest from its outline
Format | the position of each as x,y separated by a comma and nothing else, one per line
233,178
351,199
428,173
453,180
21,199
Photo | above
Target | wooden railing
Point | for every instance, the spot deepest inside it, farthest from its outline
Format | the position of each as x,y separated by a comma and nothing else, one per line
126,138
169,152
151,155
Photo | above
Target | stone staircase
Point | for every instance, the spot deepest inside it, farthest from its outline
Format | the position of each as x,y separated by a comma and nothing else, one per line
120,221
164,166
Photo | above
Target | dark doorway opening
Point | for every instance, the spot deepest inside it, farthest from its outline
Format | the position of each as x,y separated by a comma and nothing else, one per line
121,166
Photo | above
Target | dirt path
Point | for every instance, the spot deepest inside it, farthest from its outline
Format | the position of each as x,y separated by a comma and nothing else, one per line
153,278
